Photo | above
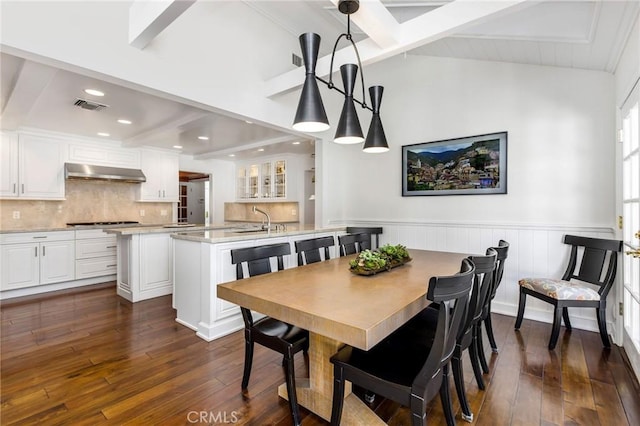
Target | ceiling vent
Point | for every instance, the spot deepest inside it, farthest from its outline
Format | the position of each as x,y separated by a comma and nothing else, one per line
296,60
91,106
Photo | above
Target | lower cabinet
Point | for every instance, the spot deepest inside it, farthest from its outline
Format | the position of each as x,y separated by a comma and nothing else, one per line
36,258
145,266
95,253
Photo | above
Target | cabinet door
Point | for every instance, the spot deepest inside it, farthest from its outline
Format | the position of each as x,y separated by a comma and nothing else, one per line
8,165
265,180
171,178
157,262
161,171
20,265
280,179
57,261
41,168
254,177
241,183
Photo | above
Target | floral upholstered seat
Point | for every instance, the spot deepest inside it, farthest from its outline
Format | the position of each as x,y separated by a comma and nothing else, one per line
559,289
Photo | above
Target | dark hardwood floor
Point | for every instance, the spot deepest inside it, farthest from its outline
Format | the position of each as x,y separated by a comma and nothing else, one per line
91,358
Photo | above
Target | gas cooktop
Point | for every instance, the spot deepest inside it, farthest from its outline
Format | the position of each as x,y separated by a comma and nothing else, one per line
119,222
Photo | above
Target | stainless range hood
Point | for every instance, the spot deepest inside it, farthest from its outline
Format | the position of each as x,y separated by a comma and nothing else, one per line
90,171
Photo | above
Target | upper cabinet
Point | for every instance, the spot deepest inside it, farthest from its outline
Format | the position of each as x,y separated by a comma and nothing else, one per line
161,170
32,167
262,180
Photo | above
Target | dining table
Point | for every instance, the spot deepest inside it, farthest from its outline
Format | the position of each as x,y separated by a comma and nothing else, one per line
339,307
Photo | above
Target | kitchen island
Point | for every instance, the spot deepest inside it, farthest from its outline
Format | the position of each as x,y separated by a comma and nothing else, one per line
145,258
202,260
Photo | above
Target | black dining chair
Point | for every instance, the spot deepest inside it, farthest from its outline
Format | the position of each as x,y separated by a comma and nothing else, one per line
312,250
503,251
274,334
593,263
404,367
353,243
469,337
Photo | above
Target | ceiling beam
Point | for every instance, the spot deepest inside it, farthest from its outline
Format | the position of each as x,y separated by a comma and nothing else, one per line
160,131
32,79
429,27
246,147
147,19
375,21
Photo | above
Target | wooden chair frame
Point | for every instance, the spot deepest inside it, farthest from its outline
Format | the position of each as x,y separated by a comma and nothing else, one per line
591,269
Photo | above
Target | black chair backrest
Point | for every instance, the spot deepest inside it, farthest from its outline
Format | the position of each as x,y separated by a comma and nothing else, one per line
353,243
503,251
453,291
481,289
372,231
258,260
594,261
309,250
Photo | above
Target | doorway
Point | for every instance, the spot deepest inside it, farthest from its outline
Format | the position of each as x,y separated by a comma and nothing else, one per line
194,202
630,114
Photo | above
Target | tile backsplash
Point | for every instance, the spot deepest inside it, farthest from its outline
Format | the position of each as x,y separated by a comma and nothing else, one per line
86,201
280,212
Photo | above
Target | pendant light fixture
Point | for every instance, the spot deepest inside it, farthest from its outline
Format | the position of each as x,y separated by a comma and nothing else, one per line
311,115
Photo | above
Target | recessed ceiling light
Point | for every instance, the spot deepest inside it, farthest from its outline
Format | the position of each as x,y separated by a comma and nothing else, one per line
123,121
93,92
177,146
232,155
203,138
260,149
248,122
296,143
103,134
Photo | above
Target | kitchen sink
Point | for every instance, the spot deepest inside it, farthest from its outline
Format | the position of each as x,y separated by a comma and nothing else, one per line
246,231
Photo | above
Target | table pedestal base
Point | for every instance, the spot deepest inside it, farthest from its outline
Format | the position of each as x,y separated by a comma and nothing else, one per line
316,393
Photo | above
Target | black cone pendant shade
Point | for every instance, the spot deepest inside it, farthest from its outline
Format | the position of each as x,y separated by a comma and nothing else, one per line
376,141
349,130
310,115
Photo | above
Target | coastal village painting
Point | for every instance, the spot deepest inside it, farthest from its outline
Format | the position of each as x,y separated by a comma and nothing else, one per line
471,165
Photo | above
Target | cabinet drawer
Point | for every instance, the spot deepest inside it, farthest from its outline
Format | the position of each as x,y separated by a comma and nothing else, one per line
36,237
95,247
83,234
96,267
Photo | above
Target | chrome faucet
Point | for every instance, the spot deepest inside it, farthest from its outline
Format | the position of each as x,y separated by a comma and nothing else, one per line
256,211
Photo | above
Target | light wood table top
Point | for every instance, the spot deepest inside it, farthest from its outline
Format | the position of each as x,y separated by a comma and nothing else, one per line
326,298
338,307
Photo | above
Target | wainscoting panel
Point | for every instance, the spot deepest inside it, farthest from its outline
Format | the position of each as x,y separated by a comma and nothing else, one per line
535,251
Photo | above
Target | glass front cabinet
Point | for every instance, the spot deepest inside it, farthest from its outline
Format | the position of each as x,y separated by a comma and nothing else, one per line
266,180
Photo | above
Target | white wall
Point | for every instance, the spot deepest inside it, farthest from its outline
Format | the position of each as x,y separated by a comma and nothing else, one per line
561,129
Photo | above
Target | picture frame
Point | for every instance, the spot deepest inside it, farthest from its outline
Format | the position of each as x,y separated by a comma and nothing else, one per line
471,165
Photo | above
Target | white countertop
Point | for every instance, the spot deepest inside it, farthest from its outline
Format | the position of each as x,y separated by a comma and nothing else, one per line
166,228
220,235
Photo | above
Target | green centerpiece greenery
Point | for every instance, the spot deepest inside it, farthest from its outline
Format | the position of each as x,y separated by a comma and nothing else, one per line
369,262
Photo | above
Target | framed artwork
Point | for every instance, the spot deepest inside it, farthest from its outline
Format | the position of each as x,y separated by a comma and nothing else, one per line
461,166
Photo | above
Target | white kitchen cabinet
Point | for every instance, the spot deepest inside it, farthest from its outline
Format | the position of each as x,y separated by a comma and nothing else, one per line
32,167
161,170
37,258
95,253
145,266
265,180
